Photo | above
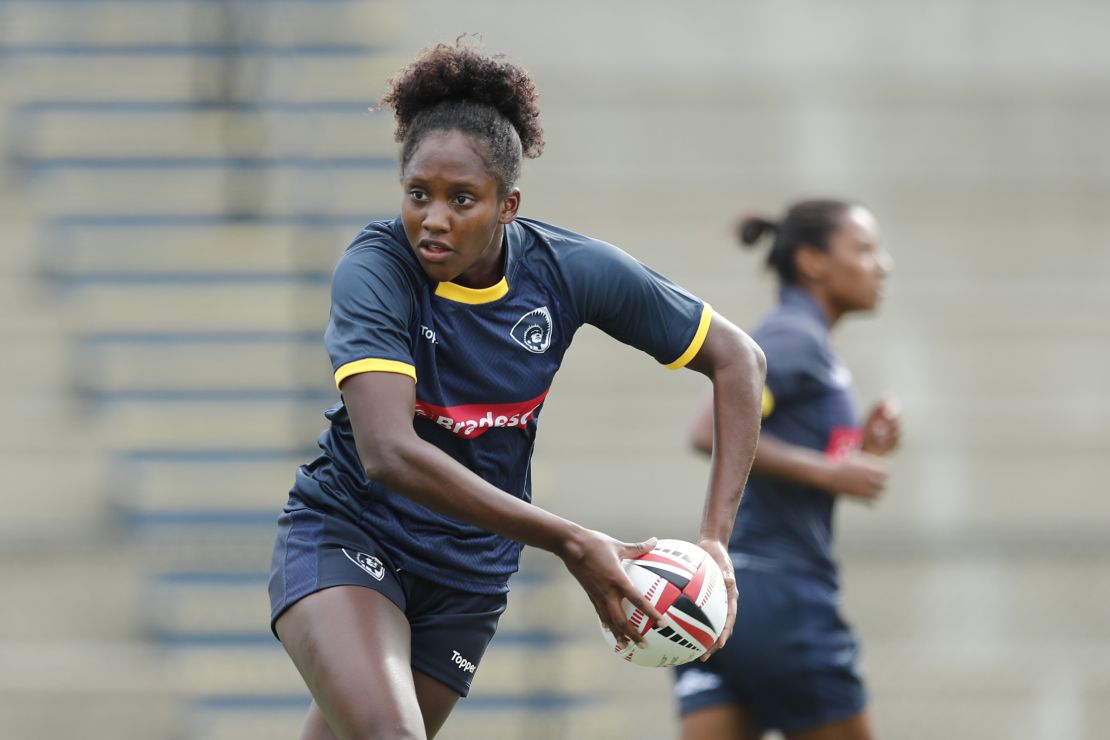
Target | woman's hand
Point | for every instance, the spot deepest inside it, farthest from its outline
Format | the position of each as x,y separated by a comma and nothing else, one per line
861,475
719,552
883,428
595,559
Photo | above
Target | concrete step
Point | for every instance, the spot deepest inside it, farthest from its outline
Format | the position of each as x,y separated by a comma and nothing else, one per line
131,247
61,686
279,305
56,496
211,548
41,136
330,187
84,591
233,424
181,23
115,371
27,308
37,423
36,361
19,232
182,486
160,76
189,608
92,714
180,246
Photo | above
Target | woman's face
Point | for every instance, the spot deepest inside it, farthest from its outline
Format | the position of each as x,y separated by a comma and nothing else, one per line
856,266
453,214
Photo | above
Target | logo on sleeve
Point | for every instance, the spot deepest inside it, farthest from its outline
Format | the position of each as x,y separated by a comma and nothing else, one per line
841,376
368,563
533,331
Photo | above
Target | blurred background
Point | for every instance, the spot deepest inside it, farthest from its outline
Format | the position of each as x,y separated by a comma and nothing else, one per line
179,177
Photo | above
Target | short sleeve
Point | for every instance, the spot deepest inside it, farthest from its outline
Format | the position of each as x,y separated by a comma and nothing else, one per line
796,361
634,304
372,307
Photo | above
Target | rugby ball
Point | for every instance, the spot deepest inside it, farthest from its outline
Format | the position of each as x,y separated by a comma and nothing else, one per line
685,585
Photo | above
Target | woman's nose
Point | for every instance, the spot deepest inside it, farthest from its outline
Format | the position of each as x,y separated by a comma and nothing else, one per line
437,217
886,263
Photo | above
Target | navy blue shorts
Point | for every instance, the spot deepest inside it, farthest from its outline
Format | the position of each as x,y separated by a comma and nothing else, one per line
450,628
791,659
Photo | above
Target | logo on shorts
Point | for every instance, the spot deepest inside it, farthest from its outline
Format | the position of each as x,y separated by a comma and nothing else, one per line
694,681
462,662
368,563
472,420
533,331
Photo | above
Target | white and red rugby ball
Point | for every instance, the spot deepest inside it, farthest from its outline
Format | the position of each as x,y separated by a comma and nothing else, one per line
685,585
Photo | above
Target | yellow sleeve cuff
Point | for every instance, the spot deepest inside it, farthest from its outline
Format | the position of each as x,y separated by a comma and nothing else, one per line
373,365
698,340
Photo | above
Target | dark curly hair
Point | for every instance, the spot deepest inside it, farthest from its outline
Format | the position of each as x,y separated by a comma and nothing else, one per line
458,88
808,223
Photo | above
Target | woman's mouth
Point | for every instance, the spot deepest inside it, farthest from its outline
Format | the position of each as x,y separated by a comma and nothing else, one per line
433,251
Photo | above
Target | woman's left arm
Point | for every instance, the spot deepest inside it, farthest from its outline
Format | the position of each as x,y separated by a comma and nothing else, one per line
737,368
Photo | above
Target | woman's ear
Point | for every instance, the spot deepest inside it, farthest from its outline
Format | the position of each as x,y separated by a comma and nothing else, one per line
510,204
811,263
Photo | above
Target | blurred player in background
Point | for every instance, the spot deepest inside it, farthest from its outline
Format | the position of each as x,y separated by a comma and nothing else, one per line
448,323
791,664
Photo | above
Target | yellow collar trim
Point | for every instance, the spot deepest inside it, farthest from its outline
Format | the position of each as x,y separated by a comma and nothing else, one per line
462,294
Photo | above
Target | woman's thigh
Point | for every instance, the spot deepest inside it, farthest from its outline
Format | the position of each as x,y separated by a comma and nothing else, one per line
352,647
721,722
436,701
856,727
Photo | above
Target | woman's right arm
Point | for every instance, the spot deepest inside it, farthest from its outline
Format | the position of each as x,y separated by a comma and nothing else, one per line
381,406
862,475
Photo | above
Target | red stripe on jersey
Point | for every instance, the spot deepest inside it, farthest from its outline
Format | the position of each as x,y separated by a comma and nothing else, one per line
843,442
470,421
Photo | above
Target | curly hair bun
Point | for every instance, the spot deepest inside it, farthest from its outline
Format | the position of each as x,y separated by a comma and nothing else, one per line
461,72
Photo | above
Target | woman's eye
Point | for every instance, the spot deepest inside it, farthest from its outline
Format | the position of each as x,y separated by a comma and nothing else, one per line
418,195
463,200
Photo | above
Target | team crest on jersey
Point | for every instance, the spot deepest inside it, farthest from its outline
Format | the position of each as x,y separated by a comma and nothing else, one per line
533,331
368,563
841,376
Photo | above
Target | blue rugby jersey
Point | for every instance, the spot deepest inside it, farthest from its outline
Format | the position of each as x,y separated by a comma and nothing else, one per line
807,402
483,361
